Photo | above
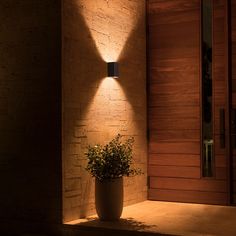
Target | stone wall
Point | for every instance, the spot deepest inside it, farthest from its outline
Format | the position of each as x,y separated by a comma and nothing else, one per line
30,123
96,108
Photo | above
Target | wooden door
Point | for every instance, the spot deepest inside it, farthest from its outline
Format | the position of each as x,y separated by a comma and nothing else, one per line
175,102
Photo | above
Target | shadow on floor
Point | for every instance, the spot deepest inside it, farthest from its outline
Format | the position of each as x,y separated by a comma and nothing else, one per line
127,224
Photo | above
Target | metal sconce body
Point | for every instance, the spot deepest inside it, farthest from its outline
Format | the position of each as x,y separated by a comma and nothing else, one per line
112,70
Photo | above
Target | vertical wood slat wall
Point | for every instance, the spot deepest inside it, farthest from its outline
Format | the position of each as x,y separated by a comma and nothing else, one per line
174,106
233,83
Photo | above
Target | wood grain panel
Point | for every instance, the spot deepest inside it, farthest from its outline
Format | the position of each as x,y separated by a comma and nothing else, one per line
219,66
221,173
188,184
219,49
219,86
175,65
175,98
218,149
217,118
173,124
219,4
174,112
174,85
174,102
233,9
219,73
172,89
174,135
220,99
165,77
188,196
220,161
234,172
233,70
174,160
160,18
233,20
234,199
219,24
175,52
174,171
233,77
233,38
168,6
175,148
234,153
218,13
233,46
233,91
171,35
234,159
234,184
219,37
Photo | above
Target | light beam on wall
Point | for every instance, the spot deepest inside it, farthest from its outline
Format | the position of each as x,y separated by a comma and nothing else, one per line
108,112
110,35
109,107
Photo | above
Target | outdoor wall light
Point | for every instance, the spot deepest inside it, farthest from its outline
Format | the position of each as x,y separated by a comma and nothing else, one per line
112,70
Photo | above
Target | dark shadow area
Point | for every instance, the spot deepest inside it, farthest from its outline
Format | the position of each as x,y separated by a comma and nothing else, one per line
125,224
30,116
77,230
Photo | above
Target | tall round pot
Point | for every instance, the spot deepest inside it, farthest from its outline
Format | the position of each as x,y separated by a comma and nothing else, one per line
109,199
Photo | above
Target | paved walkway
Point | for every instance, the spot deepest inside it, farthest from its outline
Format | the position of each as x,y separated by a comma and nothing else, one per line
171,218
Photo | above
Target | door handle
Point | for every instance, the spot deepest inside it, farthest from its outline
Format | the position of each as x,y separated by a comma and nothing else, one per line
222,128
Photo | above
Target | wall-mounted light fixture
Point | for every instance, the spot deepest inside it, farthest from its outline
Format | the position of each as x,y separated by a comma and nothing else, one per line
112,70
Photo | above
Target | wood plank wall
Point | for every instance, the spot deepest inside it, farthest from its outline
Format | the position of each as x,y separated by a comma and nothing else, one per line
174,106
233,82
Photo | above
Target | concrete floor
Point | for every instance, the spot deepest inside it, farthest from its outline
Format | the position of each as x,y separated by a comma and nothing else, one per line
172,219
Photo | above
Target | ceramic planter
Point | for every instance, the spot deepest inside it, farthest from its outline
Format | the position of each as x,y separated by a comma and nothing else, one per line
109,199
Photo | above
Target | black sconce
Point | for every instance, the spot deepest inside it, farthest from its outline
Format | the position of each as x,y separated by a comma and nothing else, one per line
112,70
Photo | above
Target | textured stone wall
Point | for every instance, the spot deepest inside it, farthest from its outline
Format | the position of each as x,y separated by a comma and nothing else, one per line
96,108
30,163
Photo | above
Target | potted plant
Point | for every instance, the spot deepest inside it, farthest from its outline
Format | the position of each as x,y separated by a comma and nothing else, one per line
108,164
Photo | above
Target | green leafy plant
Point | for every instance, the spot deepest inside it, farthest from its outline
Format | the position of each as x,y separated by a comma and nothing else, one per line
113,160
